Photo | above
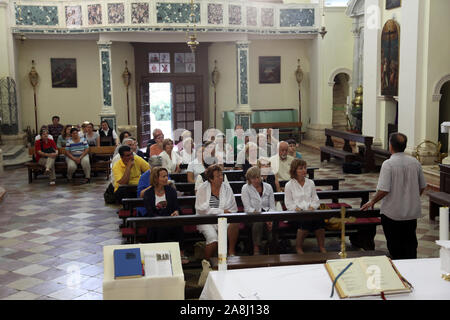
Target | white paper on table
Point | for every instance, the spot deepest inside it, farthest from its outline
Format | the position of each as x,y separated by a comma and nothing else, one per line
158,264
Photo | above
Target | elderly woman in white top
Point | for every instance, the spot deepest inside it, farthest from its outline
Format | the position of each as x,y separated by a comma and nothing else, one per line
170,158
300,194
215,196
257,196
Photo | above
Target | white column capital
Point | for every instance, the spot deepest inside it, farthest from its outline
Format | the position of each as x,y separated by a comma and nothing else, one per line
243,44
103,44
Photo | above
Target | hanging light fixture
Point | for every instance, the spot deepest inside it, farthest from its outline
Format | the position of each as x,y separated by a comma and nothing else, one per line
323,30
191,34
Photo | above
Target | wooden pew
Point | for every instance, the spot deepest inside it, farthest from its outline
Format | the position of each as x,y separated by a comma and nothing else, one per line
441,198
232,175
132,233
35,168
184,220
237,185
288,259
347,153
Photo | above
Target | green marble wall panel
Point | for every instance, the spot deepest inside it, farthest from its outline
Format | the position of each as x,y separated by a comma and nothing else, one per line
106,78
37,15
296,17
176,12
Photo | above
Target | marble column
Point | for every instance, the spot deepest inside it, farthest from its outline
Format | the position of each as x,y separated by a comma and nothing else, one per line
411,73
371,79
11,127
107,112
243,110
4,43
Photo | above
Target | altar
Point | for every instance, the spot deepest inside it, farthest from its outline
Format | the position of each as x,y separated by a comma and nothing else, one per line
312,282
145,288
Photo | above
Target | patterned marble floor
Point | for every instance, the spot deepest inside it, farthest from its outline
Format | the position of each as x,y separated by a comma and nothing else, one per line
51,238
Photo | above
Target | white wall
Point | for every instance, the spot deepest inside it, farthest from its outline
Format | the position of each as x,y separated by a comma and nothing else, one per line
438,64
333,52
73,105
261,96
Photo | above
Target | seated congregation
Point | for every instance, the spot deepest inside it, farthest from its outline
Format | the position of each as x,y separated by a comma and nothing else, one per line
171,179
206,187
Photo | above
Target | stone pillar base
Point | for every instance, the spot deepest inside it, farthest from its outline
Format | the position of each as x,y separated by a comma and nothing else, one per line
316,132
15,139
244,118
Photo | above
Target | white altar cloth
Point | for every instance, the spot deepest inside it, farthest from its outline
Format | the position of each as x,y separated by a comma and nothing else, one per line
145,288
312,282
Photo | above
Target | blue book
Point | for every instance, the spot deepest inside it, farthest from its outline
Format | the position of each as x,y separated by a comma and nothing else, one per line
127,263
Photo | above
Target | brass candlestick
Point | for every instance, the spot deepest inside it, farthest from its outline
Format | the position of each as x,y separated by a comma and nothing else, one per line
34,80
215,80
342,221
126,75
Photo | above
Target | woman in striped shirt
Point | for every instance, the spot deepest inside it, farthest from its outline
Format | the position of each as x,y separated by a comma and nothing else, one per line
215,196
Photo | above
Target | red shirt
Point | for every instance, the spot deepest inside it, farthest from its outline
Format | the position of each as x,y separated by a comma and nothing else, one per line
37,146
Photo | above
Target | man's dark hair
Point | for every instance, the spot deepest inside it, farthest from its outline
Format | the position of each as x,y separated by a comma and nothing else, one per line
105,122
124,149
73,129
398,141
55,117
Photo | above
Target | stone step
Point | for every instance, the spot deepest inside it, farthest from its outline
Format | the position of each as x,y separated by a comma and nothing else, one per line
10,152
18,160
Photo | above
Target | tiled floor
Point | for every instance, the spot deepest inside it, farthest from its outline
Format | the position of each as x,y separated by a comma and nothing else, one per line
51,238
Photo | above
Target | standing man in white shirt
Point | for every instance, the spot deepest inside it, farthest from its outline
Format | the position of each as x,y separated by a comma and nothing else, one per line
400,185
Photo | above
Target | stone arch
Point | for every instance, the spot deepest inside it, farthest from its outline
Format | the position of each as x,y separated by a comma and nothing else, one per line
338,71
437,88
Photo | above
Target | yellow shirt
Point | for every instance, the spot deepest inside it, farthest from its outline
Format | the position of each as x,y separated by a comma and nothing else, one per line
139,167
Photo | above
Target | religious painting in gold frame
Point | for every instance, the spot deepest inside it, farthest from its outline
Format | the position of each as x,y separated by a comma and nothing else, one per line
390,53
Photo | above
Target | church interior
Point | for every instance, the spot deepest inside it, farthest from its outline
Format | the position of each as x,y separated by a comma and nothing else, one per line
336,76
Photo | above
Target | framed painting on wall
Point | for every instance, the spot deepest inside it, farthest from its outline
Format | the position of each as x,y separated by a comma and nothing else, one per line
390,49
269,69
64,72
392,4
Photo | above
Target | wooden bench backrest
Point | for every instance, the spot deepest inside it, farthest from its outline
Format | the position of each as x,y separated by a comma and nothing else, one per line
349,136
275,125
335,195
249,217
105,150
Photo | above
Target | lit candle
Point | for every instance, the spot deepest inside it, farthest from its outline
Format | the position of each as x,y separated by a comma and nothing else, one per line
222,235
443,223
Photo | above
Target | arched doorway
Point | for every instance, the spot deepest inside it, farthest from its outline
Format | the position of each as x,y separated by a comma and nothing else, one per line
444,114
341,89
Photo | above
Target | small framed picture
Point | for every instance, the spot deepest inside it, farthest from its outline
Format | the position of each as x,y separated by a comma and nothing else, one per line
153,57
269,69
64,73
164,68
154,68
164,57
392,4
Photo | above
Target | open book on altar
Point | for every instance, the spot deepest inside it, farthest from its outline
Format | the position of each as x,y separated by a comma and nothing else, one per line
158,264
367,276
